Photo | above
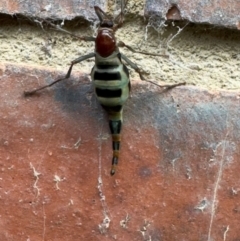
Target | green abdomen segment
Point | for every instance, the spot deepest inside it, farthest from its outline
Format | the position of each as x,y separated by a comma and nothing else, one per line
112,87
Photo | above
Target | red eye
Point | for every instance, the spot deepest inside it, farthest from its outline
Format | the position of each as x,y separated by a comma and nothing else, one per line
105,43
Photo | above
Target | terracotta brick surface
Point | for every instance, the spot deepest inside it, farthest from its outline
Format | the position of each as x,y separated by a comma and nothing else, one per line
56,9
221,12
178,175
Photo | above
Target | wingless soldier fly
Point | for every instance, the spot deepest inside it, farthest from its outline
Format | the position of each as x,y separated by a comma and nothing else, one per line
109,75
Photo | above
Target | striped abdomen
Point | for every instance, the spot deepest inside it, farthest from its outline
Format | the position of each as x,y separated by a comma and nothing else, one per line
112,87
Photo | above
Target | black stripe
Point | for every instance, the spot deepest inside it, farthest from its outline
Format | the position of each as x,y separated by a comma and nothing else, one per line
106,66
114,162
108,93
116,145
116,108
125,69
115,126
119,56
105,76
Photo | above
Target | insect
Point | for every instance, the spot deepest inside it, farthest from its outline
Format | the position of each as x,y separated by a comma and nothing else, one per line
110,75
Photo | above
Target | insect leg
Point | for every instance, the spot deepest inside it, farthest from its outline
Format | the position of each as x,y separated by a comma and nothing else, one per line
76,61
119,19
122,44
57,27
140,72
134,66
